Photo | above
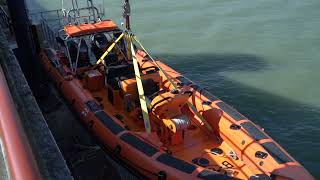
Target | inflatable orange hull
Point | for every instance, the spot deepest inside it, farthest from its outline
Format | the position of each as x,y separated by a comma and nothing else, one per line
226,146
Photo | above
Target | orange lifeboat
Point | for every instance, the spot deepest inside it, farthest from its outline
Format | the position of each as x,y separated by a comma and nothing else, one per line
193,134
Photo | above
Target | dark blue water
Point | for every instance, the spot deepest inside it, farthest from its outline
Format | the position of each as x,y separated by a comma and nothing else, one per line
262,57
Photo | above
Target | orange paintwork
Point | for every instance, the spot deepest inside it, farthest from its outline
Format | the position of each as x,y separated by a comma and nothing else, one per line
17,153
238,157
170,107
85,29
94,80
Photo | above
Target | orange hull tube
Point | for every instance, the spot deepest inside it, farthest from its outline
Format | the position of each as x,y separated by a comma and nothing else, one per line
245,138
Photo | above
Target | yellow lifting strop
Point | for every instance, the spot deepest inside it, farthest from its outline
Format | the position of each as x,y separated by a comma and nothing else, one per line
142,97
143,103
109,49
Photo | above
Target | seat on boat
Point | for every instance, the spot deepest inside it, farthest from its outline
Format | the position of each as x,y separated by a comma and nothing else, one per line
111,59
73,50
167,107
129,91
117,73
129,86
83,59
99,43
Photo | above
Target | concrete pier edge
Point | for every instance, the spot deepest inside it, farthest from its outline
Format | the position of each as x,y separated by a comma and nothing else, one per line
48,156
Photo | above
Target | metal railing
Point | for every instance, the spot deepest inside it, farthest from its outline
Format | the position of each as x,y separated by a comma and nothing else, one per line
53,18
47,23
49,35
91,15
51,22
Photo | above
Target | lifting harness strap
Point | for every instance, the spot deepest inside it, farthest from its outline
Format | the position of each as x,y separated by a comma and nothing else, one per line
142,97
108,50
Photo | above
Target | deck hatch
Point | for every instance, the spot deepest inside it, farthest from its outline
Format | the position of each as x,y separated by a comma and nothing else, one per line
109,122
276,153
139,144
176,163
253,131
230,111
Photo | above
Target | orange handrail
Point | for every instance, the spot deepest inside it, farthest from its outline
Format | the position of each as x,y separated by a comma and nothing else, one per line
18,155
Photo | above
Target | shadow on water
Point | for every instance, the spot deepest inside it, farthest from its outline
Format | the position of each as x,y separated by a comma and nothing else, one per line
294,125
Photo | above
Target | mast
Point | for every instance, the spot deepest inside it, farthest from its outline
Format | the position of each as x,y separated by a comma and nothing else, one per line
126,17
132,56
126,14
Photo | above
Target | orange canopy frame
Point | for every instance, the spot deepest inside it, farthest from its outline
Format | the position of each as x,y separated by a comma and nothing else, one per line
85,29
